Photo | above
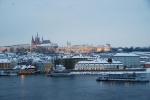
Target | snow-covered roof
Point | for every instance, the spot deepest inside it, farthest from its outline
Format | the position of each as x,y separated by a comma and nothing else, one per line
147,62
36,59
99,62
4,61
78,56
2,54
145,57
142,53
126,54
23,67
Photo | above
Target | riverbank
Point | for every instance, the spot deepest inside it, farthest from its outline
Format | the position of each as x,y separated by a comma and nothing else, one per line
83,72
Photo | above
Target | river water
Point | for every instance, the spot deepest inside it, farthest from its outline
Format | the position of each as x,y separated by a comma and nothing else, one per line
79,87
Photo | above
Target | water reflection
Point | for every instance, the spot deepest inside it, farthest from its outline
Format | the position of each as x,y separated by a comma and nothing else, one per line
126,84
101,83
22,86
111,83
22,80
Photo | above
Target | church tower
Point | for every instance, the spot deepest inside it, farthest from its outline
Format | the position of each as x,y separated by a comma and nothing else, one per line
32,41
37,40
42,39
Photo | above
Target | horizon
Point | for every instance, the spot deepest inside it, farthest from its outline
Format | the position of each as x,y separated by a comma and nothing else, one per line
118,23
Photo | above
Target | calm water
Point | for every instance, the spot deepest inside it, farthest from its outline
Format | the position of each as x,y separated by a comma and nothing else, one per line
41,87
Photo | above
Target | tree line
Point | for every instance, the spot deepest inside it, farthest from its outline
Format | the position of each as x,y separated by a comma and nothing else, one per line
130,49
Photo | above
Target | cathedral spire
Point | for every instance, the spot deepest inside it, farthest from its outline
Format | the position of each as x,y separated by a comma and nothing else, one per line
32,41
42,38
32,38
37,34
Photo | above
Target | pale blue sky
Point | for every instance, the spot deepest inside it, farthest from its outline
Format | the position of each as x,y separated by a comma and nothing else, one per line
98,22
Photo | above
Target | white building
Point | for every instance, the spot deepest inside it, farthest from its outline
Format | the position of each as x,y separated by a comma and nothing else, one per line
5,64
98,65
129,60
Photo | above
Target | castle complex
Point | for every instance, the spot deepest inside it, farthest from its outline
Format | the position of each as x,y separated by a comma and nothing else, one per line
37,44
37,41
83,49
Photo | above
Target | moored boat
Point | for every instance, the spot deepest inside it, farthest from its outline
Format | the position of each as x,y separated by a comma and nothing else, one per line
59,71
5,73
132,77
2,73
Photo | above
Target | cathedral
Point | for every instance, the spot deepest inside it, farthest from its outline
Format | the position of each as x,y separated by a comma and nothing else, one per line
37,41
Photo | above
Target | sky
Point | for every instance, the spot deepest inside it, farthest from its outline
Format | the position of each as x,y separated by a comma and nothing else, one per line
121,23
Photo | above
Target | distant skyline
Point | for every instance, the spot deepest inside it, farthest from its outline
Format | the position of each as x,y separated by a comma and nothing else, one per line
121,23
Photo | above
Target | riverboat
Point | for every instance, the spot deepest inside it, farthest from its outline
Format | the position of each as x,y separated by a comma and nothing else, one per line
4,73
26,72
130,77
60,71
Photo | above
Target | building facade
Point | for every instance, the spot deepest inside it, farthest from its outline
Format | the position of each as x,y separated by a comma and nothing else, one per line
83,49
146,65
128,59
75,49
44,66
5,64
103,48
98,65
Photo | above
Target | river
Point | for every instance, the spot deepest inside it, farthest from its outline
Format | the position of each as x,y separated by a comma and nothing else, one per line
79,87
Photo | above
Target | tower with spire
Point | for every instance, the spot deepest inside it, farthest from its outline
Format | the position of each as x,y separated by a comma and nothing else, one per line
42,38
32,41
37,41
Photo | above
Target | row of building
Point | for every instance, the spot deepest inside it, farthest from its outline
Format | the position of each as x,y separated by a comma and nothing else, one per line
10,61
116,61
53,47
41,44
47,63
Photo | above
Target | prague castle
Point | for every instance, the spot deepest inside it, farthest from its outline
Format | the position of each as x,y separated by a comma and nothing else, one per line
37,41
37,44
42,45
83,49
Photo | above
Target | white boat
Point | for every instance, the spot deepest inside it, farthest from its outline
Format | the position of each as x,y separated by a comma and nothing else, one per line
132,77
3,73
59,72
